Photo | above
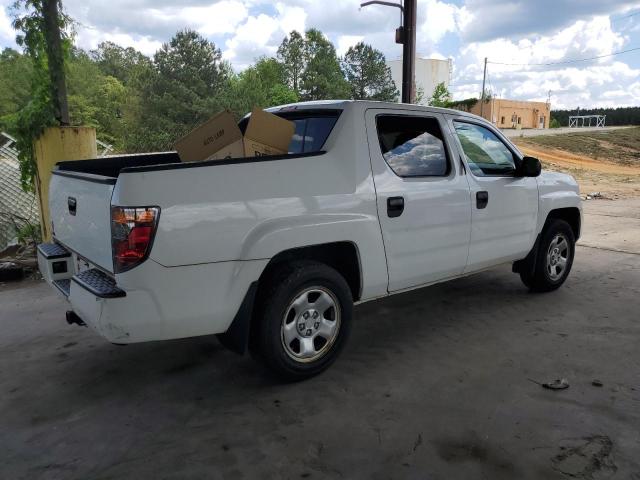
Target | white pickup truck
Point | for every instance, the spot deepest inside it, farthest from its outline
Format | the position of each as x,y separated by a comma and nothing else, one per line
272,252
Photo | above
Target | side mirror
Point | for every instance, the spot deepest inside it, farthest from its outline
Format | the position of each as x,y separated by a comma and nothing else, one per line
529,167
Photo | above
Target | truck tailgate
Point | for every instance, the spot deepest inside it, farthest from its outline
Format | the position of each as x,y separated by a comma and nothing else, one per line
80,206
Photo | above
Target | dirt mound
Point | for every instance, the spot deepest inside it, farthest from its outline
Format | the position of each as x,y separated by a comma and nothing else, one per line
566,159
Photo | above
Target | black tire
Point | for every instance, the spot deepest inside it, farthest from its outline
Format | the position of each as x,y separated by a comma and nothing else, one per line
545,276
289,282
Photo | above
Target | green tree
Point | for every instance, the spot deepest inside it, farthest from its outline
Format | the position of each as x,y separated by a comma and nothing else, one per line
97,100
16,71
261,85
322,78
125,64
368,74
44,33
441,96
291,55
191,60
183,89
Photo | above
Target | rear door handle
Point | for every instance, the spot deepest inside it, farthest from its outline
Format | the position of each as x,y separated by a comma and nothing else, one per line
395,206
482,198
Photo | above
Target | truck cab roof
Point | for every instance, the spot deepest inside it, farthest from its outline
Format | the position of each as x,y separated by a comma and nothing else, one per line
367,104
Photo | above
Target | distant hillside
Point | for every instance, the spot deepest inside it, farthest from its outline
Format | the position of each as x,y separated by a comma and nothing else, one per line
615,116
620,146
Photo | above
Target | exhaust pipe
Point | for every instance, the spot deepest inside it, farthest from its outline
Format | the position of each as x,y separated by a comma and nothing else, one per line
73,318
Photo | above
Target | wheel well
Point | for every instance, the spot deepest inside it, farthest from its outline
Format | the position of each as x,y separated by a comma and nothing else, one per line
570,215
342,256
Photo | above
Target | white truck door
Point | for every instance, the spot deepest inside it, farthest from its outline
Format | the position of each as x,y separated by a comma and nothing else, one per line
422,198
504,206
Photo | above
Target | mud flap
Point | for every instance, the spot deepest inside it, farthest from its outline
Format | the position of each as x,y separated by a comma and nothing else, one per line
528,263
236,338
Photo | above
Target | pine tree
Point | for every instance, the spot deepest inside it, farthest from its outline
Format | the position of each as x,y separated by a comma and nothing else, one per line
368,74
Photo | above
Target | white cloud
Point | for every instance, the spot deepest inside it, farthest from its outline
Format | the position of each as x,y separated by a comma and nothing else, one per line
518,18
291,18
440,18
262,34
90,38
252,39
7,33
571,84
346,41
220,17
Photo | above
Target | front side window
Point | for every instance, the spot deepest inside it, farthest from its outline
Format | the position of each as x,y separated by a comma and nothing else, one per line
412,146
486,154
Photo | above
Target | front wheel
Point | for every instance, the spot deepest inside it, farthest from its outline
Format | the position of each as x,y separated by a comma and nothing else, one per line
554,258
303,319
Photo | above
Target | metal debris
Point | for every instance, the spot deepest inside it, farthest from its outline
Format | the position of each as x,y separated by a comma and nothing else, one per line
557,384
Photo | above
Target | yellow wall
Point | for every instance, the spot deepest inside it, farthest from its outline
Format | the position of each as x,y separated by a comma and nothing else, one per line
528,112
56,145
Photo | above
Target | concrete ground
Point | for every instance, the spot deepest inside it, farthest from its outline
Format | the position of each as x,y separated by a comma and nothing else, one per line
438,383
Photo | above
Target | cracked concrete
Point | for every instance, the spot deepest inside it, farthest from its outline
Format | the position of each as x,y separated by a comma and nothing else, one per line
433,384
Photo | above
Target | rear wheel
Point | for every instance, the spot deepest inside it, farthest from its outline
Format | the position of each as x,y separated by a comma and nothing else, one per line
553,260
303,319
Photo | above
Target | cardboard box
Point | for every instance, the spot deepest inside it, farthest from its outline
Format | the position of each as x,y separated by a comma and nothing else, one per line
267,134
220,137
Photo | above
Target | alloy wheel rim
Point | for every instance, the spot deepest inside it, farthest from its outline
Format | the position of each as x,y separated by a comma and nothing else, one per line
310,324
557,257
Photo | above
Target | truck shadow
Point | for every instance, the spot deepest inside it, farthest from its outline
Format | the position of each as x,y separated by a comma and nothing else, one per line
383,328
200,373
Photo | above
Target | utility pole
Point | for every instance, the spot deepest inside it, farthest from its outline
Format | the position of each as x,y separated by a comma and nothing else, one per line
484,78
409,52
406,35
55,60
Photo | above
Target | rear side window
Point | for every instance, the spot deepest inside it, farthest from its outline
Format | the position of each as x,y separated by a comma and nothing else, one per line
412,146
312,130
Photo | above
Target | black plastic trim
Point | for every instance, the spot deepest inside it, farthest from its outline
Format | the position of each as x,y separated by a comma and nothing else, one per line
230,161
84,278
103,269
63,285
236,338
528,263
87,177
43,247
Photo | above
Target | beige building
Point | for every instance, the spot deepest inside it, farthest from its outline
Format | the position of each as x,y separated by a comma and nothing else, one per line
514,113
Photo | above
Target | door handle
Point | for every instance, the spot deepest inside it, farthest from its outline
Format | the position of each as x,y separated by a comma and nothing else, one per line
482,198
72,205
395,206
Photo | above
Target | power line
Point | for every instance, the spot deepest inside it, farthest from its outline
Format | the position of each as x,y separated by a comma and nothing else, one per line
566,61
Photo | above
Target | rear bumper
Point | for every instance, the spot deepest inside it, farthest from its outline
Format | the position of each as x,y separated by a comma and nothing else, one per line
153,302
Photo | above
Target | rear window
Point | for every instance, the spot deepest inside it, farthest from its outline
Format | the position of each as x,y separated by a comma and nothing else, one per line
313,127
311,133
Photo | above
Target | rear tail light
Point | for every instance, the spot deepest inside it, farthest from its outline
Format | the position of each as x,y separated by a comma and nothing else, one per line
132,232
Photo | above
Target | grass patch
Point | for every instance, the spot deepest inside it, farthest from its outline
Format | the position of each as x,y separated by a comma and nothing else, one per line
620,146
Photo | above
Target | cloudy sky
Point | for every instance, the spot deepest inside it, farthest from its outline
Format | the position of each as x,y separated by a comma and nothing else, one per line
514,31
